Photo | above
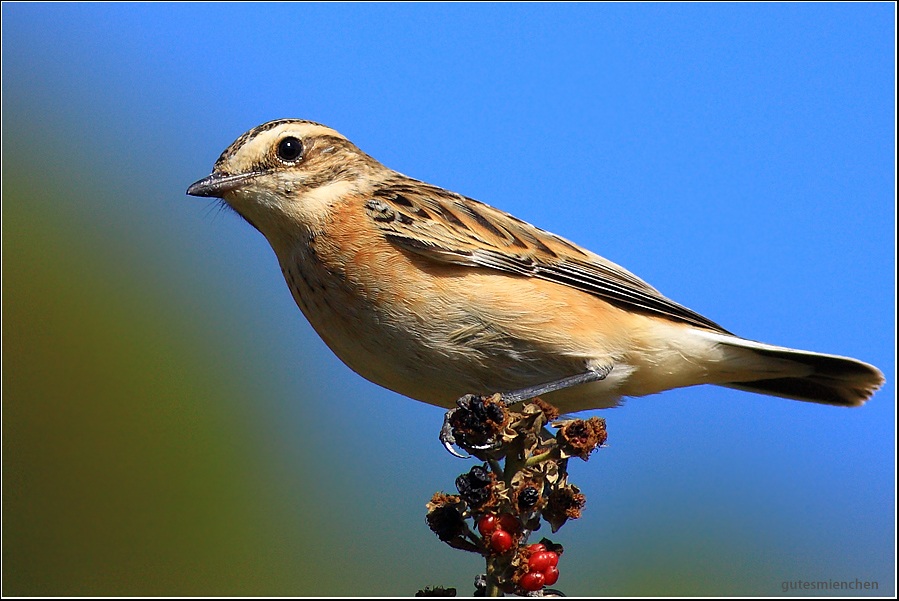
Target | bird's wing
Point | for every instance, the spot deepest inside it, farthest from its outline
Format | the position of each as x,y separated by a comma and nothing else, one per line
451,228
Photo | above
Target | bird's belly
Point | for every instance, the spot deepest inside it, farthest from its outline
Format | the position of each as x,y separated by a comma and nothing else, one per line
438,346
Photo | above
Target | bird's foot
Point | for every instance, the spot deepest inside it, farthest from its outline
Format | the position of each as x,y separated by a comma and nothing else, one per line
473,424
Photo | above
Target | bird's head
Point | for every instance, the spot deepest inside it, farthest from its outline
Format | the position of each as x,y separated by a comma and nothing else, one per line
284,176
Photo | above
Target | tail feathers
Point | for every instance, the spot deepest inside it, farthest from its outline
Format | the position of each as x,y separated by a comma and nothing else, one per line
824,390
818,378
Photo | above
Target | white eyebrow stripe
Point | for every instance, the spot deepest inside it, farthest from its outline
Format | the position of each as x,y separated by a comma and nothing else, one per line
307,130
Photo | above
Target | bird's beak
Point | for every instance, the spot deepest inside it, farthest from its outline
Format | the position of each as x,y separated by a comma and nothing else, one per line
217,184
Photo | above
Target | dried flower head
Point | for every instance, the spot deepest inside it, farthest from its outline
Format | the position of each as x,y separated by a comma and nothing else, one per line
579,438
445,516
476,487
437,591
548,410
527,496
480,420
563,504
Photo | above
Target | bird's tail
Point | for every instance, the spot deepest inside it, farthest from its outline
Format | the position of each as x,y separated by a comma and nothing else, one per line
800,375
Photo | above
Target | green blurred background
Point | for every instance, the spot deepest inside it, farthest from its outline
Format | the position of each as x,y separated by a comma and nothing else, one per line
172,426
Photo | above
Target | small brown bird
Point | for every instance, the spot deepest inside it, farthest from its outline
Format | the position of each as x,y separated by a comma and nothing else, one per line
435,295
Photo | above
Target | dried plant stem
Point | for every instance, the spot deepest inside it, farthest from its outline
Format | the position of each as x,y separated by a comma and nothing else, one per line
522,480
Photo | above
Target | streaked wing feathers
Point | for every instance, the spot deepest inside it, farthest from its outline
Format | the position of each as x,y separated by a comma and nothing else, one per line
451,228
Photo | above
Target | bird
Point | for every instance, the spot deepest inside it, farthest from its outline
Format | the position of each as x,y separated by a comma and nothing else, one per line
436,296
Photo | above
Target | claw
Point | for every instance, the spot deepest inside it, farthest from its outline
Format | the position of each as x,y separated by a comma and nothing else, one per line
452,451
447,438
485,447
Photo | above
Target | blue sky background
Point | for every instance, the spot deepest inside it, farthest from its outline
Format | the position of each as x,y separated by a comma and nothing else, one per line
171,423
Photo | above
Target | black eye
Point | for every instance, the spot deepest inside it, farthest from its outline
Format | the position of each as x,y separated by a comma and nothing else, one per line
290,149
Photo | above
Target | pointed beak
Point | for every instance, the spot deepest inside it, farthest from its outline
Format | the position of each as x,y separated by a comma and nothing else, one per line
217,184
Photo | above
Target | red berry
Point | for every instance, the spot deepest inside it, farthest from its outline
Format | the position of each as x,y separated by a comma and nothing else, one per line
536,547
550,575
487,524
553,558
532,581
539,561
509,522
500,541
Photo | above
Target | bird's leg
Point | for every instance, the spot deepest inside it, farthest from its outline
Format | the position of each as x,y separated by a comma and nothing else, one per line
479,411
592,375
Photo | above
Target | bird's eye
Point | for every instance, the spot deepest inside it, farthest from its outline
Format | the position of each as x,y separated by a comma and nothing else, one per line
290,149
